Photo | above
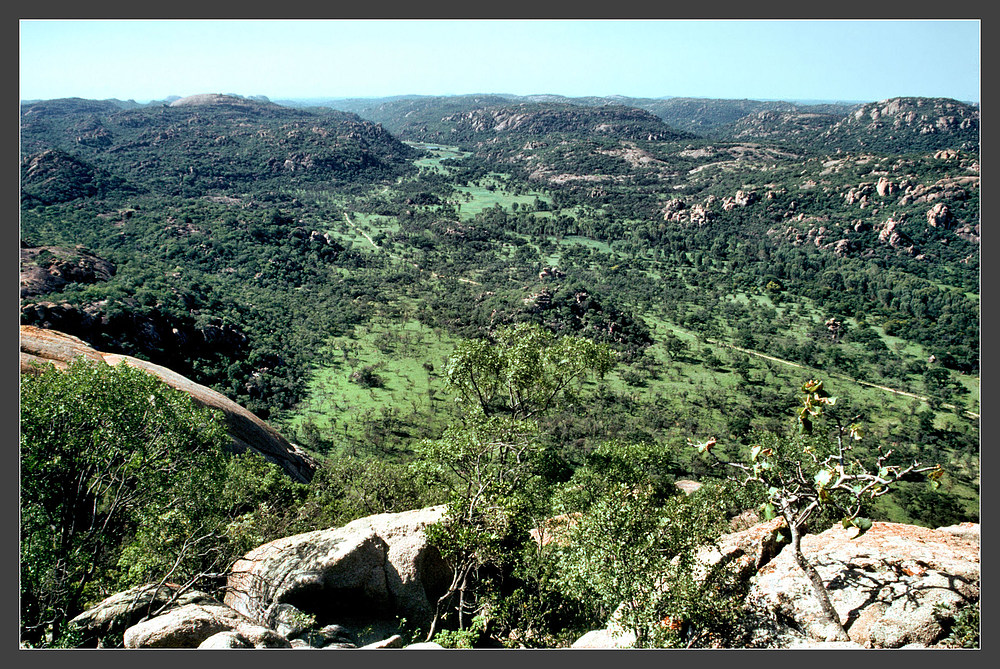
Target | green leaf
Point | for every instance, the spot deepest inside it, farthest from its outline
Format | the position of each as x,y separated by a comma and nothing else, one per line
863,525
754,452
823,478
768,510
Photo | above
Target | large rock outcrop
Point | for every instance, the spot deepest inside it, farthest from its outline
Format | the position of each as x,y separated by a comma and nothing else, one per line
191,625
248,432
365,573
113,615
47,269
894,586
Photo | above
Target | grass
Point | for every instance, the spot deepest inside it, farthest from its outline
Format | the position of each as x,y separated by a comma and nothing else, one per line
490,192
339,407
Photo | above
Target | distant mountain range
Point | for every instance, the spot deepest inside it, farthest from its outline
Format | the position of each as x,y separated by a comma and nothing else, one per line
897,124
198,142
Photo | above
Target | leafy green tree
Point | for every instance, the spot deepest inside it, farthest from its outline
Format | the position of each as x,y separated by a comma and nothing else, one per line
808,474
101,450
635,556
486,466
490,463
524,371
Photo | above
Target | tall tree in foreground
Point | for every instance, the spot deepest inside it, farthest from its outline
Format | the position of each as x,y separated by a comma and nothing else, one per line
819,471
489,463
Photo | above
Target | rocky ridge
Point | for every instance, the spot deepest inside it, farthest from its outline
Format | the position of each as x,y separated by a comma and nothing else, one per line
248,432
896,586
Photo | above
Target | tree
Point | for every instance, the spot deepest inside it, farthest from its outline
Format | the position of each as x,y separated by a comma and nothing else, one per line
489,463
635,556
524,370
102,449
674,345
486,466
809,474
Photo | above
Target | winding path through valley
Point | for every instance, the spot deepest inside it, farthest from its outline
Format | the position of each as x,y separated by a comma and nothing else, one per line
952,407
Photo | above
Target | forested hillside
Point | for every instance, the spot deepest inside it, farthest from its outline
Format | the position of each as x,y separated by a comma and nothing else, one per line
322,268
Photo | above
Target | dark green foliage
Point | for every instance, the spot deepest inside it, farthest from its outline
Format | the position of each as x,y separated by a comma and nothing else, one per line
366,377
635,557
965,629
104,451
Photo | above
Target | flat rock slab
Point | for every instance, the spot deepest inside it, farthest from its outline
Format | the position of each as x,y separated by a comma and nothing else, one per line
893,586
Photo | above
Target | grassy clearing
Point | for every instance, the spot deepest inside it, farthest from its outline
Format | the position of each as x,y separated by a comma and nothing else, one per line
405,365
438,152
489,193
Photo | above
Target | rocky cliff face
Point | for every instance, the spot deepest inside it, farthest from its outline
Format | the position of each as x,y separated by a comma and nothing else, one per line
248,432
901,124
47,269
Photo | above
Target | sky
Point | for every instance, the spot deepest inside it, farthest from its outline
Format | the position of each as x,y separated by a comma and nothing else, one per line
834,60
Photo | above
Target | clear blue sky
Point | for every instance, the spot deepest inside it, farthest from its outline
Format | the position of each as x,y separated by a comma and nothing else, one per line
791,60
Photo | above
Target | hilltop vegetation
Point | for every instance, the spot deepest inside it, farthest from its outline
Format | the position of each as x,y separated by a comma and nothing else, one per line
314,267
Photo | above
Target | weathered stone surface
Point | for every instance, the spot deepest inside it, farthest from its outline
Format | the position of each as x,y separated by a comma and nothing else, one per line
47,269
288,620
425,645
113,615
40,346
940,216
248,432
225,640
885,585
395,641
371,569
605,639
687,486
191,625
749,549
967,531
262,637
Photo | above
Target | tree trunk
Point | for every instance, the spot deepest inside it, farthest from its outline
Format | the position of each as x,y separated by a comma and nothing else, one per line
837,631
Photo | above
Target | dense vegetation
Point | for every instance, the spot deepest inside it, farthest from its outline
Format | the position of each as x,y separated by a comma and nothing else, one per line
315,269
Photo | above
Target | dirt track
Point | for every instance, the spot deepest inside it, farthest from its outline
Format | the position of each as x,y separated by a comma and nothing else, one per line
840,376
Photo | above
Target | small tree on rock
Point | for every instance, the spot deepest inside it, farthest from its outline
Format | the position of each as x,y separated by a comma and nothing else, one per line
809,473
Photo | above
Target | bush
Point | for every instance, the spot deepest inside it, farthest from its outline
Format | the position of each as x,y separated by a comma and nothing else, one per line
635,558
964,631
367,378
104,451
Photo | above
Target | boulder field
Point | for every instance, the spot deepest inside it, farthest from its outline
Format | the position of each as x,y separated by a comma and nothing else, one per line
896,586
